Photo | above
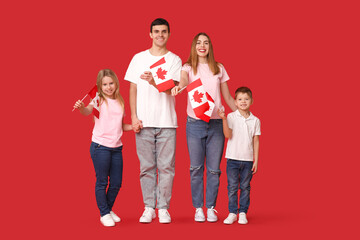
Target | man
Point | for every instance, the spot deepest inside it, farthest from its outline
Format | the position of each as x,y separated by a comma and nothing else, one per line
154,119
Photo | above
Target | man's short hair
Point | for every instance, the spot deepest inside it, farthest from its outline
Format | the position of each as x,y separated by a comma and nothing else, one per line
243,90
159,21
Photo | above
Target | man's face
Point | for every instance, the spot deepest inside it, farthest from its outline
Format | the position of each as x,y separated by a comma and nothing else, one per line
160,35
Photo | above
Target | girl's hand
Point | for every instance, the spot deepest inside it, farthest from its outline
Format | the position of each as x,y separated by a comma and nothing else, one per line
175,90
79,105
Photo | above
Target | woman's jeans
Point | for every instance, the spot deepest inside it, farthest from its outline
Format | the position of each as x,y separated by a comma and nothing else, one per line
108,164
239,175
204,140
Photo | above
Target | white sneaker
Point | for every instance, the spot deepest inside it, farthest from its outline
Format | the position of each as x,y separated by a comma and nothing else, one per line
148,215
211,216
230,219
164,216
115,217
107,220
242,218
199,215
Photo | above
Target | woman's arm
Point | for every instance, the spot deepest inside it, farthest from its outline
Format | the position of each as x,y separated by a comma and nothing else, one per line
184,81
227,96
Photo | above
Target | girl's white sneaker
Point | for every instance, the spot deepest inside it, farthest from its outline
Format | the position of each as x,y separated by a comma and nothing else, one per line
199,215
107,220
115,217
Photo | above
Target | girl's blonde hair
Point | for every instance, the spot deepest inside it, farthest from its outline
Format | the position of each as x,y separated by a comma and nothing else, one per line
193,59
109,73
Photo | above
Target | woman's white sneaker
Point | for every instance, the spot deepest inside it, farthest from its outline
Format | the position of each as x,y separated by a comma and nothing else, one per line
242,218
230,219
107,220
115,217
211,215
199,215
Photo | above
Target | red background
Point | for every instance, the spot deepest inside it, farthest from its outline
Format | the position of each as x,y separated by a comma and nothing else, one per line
300,58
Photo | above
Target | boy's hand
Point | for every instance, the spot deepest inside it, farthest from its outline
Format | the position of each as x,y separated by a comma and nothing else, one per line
254,168
79,105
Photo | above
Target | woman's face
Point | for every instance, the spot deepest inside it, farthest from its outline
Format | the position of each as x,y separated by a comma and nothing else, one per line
202,46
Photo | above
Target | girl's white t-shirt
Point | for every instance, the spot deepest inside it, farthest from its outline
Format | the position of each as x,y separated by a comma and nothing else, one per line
211,84
108,127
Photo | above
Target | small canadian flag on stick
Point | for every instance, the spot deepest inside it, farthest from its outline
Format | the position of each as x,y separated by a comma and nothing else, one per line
94,95
159,73
198,99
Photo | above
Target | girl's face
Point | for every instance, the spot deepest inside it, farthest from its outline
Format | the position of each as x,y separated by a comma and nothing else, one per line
108,86
202,46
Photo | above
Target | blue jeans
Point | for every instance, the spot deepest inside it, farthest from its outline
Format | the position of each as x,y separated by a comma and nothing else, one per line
239,175
204,140
108,164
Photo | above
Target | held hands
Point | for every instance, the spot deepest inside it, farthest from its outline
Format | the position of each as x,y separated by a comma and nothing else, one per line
221,113
79,105
136,125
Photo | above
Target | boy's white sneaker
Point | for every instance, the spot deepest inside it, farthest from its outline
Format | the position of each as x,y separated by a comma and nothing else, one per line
230,219
211,215
148,215
164,216
115,217
199,215
242,218
107,220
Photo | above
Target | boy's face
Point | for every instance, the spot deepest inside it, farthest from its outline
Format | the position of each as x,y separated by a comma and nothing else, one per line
160,35
243,101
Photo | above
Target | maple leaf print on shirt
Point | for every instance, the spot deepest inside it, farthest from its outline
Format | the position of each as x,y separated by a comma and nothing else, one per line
161,73
198,96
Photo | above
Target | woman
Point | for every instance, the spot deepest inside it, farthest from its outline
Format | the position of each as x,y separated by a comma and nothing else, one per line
205,139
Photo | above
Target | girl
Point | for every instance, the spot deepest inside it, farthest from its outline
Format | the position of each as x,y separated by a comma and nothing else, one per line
106,146
205,139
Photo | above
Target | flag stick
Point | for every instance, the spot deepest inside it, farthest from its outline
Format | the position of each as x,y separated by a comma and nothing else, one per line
181,89
81,101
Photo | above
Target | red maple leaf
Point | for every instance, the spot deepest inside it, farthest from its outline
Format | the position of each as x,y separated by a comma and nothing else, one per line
161,73
198,96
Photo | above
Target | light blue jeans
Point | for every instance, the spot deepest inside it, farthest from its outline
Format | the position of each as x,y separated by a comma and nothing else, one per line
204,140
156,151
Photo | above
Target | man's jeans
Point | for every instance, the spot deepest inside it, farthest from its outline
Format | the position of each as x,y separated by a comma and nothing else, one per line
204,140
239,175
156,151
108,164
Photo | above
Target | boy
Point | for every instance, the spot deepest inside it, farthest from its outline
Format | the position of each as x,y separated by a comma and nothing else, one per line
242,129
154,120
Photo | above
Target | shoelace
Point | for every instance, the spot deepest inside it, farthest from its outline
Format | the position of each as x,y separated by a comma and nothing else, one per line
213,209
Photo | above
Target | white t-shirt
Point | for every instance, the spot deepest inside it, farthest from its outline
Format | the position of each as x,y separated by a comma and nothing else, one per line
154,109
240,145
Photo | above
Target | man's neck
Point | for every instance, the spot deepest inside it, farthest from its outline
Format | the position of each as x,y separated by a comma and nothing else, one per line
158,51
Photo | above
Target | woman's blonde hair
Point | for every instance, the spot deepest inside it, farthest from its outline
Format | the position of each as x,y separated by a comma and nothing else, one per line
109,73
193,59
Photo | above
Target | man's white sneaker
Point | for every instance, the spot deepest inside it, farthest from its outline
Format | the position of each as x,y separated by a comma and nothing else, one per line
230,219
242,218
199,215
148,215
164,216
211,215
115,217
107,220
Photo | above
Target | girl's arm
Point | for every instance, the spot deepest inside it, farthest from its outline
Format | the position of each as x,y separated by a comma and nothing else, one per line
127,127
256,153
83,110
227,96
184,81
227,131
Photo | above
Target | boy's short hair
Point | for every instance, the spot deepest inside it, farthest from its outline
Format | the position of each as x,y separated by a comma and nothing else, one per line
243,90
159,21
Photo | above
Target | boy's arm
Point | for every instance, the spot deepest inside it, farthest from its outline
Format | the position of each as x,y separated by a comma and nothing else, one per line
256,153
227,131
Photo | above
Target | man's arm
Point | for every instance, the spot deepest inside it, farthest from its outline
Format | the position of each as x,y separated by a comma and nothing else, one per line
136,123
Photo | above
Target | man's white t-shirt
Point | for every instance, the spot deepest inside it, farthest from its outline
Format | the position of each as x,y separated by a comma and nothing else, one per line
154,109
240,145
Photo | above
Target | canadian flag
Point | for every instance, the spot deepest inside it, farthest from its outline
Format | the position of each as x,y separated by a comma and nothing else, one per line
207,115
95,98
159,72
198,100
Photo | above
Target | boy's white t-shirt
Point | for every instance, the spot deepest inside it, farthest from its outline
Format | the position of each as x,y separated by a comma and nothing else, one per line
154,109
240,145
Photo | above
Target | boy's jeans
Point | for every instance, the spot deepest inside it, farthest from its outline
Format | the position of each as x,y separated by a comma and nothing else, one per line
108,164
239,175
156,151
204,140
